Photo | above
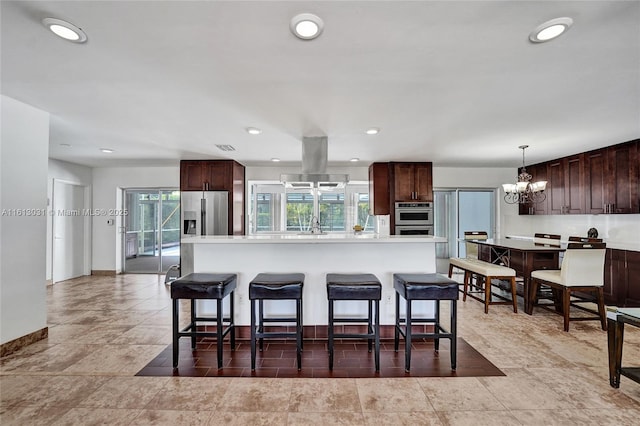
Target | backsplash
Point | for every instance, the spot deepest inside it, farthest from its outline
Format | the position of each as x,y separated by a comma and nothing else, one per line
621,228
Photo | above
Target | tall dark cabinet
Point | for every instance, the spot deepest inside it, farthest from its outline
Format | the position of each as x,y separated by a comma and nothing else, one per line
398,181
218,175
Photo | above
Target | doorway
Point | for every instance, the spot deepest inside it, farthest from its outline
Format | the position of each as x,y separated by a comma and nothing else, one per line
152,230
457,211
70,230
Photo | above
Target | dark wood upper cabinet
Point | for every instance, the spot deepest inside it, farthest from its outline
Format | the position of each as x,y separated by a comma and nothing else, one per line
564,185
412,182
555,187
602,181
218,175
192,176
611,179
596,184
391,182
622,178
207,175
574,184
379,189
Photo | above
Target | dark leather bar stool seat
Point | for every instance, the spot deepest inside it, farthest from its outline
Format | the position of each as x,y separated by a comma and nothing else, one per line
203,286
434,287
270,286
355,287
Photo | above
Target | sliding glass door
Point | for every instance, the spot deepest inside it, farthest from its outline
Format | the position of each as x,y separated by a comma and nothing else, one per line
457,211
152,230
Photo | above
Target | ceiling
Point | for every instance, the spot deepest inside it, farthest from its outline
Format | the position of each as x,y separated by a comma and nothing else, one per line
453,82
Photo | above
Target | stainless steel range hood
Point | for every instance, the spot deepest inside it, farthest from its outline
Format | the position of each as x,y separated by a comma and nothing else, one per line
314,167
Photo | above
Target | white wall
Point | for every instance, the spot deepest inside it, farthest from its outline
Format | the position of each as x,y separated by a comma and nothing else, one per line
24,149
108,182
70,173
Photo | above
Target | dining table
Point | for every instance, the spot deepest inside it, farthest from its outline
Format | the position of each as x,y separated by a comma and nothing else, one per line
522,255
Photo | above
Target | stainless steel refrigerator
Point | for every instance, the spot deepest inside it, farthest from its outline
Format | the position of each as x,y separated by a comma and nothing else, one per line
204,213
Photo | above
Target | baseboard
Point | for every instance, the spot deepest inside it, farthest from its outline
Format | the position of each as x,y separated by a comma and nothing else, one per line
49,282
19,343
104,273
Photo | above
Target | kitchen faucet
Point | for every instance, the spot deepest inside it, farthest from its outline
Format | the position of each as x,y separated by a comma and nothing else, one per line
315,225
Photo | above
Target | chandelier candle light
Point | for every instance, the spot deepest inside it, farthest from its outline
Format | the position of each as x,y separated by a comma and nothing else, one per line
524,191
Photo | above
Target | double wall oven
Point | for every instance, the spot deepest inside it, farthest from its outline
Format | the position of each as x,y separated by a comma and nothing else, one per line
414,218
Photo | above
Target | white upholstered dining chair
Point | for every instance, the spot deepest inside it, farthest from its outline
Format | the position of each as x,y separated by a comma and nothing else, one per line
582,270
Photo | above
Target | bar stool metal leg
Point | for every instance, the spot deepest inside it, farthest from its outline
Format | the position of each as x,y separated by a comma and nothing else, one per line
261,322
370,325
453,332
407,338
330,334
436,328
396,334
193,324
232,316
219,331
299,332
176,331
377,333
253,335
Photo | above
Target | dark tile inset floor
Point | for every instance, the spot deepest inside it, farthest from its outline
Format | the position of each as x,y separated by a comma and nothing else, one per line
351,359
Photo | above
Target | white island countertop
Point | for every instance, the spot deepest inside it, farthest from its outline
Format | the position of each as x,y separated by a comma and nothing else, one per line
315,256
328,238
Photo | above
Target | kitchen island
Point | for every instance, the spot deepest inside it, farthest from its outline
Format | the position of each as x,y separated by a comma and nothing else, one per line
315,256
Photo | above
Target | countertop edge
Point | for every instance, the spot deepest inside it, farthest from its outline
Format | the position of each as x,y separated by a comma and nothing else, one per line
311,239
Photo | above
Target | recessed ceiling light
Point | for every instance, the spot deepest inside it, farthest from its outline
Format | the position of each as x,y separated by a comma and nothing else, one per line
66,145
106,150
275,160
253,130
65,29
306,26
373,131
354,159
550,29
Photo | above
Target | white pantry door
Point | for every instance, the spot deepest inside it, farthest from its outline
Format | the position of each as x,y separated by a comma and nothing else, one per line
68,231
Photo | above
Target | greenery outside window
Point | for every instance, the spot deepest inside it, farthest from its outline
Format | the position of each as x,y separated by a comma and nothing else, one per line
276,209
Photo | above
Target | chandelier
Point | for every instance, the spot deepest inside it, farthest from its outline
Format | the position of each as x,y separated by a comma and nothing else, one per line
524,191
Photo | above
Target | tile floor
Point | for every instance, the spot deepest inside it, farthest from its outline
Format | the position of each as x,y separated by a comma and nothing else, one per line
103,330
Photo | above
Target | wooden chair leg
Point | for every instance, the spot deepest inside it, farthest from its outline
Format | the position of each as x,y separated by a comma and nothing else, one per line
514,295
566,301
533,291
601,310
487,294
467,275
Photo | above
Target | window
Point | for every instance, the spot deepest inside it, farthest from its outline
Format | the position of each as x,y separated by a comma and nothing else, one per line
274,208
300,211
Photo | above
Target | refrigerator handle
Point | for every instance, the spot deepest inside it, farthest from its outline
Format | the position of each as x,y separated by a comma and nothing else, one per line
203,216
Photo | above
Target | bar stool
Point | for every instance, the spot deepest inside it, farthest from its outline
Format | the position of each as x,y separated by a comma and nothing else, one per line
434,287
355,287
269,286
203,286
